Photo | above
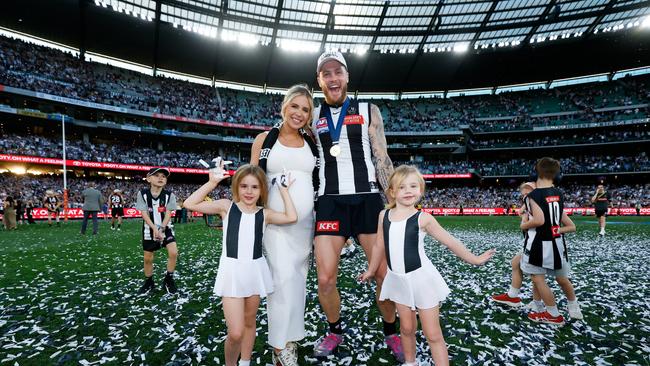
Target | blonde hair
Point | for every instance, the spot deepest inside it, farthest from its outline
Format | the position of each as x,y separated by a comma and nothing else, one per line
399,174
257,173
296,91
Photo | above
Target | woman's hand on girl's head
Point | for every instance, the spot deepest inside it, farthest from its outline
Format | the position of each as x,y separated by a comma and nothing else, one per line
486,256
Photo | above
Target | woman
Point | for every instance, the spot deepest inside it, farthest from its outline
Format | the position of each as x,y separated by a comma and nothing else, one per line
9,218
288,147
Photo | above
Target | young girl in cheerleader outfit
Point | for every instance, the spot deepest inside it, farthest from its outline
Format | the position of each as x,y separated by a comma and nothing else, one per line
243,276
412,281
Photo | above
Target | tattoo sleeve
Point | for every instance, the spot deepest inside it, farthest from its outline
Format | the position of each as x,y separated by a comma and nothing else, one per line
383,164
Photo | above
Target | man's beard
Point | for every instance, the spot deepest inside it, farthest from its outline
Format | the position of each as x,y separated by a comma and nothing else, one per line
339,102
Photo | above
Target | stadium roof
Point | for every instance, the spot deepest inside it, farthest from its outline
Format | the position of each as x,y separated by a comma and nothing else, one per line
399,41
379,25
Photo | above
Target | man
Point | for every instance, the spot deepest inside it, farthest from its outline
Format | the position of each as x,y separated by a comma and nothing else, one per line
601,204
354,162
93,201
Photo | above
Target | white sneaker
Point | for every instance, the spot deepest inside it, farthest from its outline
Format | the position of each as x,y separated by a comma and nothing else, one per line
293,347
112,228
533,307
575,312
602,232
286,357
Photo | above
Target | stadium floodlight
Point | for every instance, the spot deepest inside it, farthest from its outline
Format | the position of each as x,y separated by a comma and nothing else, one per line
18,170
247,39
228,35
295,45
646,22
360,50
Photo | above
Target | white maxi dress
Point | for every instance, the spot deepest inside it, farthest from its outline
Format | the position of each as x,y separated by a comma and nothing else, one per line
288,246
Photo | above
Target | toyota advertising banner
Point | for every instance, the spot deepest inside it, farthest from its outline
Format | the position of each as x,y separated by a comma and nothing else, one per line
77,213
121,166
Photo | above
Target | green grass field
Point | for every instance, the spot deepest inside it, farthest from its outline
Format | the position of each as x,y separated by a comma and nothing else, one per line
70,299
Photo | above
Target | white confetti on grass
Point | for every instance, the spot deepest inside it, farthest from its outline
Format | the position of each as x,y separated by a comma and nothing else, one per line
68,299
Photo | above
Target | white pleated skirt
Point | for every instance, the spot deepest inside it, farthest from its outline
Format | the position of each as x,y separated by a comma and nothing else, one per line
243,278
423,288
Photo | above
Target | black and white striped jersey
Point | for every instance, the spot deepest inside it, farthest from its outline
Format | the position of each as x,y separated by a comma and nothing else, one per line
403,243
157,207
352,171
242,233
116,201
544,246
51,202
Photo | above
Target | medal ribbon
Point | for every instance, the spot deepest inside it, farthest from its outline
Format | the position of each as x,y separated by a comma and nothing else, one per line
335,132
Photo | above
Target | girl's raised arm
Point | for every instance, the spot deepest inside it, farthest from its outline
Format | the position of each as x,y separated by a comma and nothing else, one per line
195,202
433,228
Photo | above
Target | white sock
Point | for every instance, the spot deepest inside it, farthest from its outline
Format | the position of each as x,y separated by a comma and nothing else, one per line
539,305
553,310
244,363
573,303
410,363
513,292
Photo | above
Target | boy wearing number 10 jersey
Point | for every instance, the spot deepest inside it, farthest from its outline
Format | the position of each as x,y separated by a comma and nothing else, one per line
545,252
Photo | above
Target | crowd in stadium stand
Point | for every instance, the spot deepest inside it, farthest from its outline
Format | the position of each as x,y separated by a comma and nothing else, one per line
120,153
117,152
578,164
576,195
42,69
32,188
572,139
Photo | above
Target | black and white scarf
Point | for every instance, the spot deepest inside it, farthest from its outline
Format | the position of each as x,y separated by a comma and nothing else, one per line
272,138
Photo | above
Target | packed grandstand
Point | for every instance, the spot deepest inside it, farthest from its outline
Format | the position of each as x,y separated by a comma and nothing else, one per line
121,121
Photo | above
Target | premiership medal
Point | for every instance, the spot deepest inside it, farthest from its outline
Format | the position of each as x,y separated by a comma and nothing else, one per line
335,150
335,131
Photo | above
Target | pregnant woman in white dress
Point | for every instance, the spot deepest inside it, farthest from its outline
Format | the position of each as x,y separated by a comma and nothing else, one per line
288,147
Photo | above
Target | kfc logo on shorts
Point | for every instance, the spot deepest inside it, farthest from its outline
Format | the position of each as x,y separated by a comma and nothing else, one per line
327,226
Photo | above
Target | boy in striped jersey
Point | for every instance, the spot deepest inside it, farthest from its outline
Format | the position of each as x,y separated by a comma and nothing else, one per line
545,252
156,206
511,297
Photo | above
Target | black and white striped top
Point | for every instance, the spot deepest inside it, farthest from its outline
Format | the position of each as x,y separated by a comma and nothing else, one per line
51,202
543,246
352,171
157,208
242,233
116,201
404,243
